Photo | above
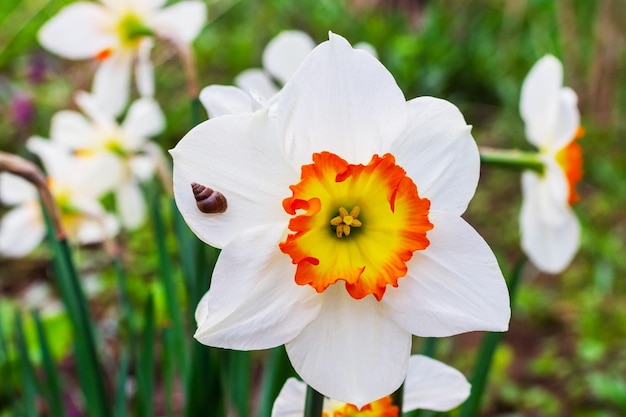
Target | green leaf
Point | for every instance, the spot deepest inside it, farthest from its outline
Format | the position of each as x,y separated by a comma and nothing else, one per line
55,399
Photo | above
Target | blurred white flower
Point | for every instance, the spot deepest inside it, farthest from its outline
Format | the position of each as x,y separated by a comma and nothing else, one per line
429,385
256,87
74,185
119,34
549,227
343,233
123,150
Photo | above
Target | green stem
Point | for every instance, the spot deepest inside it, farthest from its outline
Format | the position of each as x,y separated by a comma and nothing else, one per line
486,353
314,403
511,159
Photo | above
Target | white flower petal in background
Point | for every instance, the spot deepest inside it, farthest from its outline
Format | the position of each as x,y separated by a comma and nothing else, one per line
111,83
15,190
144,70
285,52
70,128
181,22
257,81
78,31
144,119
550,233
131,204
21,230
433,385
220,100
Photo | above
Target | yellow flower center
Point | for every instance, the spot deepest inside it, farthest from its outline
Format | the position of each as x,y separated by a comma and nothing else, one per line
367,247
131,29
570,158
378,408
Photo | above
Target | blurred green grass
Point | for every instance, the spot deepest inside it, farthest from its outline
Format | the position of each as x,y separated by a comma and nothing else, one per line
565,353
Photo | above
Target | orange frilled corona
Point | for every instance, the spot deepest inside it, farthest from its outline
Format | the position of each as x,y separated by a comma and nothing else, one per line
570,158
379,408
356,223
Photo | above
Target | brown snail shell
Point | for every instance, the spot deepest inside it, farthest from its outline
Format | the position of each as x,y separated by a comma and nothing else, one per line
208,200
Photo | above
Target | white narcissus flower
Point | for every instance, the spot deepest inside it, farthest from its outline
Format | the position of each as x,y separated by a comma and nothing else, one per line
255,87
429,385
549,227
129,155
118,33
75,187
343,234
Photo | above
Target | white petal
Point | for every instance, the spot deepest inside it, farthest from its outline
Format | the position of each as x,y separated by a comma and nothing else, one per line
21,230
439,154
258,82
72,129
549,228
254,301
290,400
78,31
143,166
143,120
285,52
568,119
95,230
111,83
15,189
130,204
219,100
433,385
238,156
91,182
350,352
89,104
539,101
343,101
453,286
55,157
144,71
181,22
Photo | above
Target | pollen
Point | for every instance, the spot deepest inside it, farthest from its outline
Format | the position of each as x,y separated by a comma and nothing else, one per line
344,221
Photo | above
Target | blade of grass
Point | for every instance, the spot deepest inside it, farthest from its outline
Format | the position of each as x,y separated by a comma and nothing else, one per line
53,385
27,373
90,371
239,380
167,278
145,369
168,372
204,387
120,392
487,350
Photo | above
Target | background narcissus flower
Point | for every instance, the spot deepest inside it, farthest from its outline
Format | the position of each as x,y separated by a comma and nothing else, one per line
429,385
76,187
119,34
125,148
549,227
342,235
255,86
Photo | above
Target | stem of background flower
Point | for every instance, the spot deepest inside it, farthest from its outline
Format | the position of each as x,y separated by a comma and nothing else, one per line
486,353
314,403
511,159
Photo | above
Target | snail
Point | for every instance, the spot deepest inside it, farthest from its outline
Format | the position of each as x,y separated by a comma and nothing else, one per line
208,200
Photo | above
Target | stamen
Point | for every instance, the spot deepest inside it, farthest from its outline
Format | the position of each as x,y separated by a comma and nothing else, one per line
344,221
